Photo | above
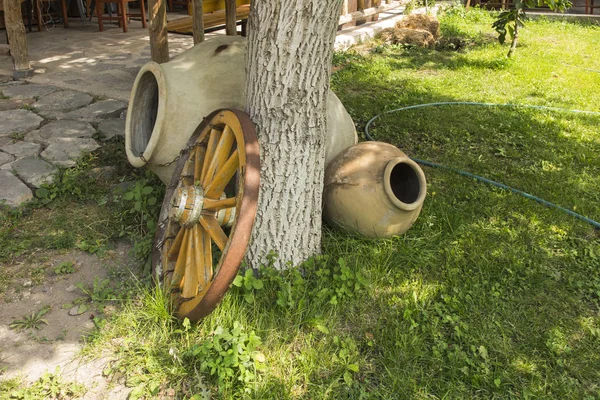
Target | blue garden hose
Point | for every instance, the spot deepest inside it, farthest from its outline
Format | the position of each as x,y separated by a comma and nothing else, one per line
481,178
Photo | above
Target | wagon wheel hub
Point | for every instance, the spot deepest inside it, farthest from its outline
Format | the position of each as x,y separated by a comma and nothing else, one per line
186,205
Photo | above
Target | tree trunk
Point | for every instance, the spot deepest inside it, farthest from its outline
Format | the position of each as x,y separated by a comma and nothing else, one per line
198,27
17,37
159,42
515,39
288,68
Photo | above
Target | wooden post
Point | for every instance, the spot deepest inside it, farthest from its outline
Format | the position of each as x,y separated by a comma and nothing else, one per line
17,37
231,17
360,6
159,41
345,7
198,24
376,4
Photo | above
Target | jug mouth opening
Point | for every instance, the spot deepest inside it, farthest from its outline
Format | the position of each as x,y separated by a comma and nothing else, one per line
145,114
404,183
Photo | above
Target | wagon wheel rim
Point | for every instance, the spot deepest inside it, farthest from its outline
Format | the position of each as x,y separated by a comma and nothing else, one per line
210,203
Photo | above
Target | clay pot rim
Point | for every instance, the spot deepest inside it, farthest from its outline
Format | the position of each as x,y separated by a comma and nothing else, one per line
420,176
156,70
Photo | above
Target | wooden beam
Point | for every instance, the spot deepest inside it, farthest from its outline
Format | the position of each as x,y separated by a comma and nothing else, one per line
17,37
159,41
358,15
198,24
230,14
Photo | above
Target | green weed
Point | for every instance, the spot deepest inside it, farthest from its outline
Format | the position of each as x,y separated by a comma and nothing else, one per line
49,386
33,321
64,268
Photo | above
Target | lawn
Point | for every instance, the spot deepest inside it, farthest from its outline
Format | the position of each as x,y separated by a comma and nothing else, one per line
489,295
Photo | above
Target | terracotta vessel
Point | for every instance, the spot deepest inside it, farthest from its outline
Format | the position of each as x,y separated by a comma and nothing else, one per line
168,101
374,189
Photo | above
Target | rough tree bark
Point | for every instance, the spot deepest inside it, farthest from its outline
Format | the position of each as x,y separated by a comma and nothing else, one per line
17,37
290,46
159,42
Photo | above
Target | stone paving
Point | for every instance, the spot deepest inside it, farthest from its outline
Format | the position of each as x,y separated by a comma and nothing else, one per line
44,128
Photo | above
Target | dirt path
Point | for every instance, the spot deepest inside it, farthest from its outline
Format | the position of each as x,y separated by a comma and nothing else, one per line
29,353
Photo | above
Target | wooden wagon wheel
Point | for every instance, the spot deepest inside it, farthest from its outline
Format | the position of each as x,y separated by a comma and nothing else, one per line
208,213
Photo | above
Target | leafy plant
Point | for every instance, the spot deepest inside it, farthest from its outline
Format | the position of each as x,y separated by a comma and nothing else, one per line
33,321
64,268
347,355
509,21
230,355
249,284
49,386
97,246
140,209
75,183
100,292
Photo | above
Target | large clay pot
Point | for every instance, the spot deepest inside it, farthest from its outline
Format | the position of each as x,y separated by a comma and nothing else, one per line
374,189
168,102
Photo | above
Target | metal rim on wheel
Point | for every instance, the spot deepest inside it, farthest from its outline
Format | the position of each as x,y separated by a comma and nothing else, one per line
208,213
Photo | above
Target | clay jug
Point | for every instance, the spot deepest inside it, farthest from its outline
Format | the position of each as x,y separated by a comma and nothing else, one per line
374,189
168,101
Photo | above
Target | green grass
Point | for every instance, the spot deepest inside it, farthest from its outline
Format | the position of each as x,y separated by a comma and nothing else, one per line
488,296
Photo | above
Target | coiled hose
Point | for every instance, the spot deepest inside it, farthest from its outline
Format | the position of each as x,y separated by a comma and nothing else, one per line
481,178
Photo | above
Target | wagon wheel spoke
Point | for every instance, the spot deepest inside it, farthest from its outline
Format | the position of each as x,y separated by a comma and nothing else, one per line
216,205
220,155
215,187
204,215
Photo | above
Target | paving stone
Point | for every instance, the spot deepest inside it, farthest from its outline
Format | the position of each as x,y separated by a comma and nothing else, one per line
98,111
5,158
103,66
13,192
22,149
109,128
115,78
64,152
33,170
77,82
60,129
5,78
63,101
14,104
12,83
4,140
133,70
30,91
18,121
120,56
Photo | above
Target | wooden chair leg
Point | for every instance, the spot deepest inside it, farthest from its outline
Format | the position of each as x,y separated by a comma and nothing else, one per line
244,27
123,15
64,14
99,12
143,12
38,12
28,7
